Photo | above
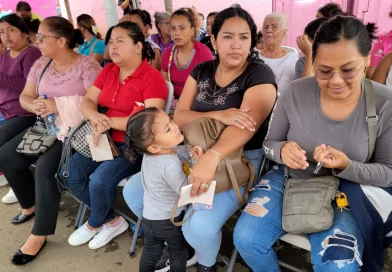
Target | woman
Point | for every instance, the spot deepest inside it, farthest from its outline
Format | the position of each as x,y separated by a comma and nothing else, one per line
33,25
260,42
143,19
304,66
179,60
381,47
207,39
94,45
323,119
121,87
238,90
64,82
162,38
329,10
383,72
15,65
281,62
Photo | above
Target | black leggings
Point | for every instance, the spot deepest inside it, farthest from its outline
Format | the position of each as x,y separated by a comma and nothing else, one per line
41,191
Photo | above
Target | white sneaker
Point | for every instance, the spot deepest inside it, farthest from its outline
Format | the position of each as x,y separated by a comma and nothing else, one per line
10,197
107,233
82,235
3,180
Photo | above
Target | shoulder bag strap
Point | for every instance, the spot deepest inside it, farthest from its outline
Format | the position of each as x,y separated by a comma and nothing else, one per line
170,63
40,77
371,117
173,214
91,52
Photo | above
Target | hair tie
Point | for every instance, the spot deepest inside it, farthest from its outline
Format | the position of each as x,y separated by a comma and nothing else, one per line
95,30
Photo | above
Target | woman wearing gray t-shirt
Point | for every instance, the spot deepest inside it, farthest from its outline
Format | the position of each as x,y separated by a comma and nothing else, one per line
323,118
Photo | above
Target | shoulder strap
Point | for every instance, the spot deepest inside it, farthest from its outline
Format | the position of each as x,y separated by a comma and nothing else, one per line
40,77
91,52
170,63
371,117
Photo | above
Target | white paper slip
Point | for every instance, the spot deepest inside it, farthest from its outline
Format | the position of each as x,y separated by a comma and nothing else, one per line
206,198
102,151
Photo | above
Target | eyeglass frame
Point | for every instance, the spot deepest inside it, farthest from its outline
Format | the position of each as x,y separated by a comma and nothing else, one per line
340,71
41,37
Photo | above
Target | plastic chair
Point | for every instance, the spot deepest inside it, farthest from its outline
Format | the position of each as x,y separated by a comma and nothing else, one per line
290,49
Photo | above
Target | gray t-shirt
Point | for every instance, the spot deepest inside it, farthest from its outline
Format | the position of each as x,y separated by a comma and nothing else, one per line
162,178
300,67
298,117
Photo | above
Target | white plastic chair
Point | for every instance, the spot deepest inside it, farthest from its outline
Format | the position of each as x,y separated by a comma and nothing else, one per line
290,49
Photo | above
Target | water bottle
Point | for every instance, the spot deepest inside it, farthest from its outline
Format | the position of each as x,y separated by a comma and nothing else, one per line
50,122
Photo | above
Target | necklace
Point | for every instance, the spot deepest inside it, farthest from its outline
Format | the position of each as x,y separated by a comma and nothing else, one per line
215,92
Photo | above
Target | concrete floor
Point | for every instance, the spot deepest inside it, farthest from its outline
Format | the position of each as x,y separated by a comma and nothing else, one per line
58,256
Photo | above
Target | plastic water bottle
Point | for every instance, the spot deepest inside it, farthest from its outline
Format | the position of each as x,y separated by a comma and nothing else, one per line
50,122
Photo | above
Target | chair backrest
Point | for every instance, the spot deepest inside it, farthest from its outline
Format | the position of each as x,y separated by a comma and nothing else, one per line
290,49
169,97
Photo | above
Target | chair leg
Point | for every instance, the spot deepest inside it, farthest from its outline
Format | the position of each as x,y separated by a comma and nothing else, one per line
233,258
83,214
134,238
77,219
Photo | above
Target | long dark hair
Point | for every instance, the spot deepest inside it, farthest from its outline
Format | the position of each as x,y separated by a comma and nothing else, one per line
61,27
144,16
136,34
313,26
32,24
330,10
241,13
345,28
139,133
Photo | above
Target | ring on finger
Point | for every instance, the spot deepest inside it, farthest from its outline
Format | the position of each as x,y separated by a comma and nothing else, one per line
237,120
203,185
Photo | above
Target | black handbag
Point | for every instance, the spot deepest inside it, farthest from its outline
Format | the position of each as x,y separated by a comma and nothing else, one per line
35,141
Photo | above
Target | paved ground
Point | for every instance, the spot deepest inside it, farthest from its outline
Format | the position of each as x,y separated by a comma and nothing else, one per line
58,256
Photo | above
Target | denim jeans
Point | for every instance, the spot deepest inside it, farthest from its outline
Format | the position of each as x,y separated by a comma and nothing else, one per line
156,233
94,183
203,231
337,249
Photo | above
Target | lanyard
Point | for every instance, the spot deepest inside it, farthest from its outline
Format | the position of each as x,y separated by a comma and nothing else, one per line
170,62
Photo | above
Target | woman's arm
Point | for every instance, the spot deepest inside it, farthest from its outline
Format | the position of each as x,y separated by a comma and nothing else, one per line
260,100
124,5
27,97
120,123
157,61
381,73
183,114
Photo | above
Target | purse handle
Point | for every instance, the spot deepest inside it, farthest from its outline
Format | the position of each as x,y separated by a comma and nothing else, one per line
371,120
41,76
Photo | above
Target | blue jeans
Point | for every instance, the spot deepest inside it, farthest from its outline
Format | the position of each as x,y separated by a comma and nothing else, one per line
337,249
94,183
203,231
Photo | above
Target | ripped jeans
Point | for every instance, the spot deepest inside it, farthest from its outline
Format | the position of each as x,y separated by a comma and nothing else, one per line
260,226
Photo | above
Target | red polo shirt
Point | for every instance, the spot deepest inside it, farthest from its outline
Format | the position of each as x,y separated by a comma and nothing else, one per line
121,97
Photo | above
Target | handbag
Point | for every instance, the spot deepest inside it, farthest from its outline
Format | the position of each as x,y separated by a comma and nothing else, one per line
232,172
307,203
78,141
35,141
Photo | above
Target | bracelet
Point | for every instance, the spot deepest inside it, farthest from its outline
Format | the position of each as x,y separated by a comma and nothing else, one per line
218,154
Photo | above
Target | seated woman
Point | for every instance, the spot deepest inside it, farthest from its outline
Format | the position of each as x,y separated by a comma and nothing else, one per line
64,82
122,87
207,39
179,60
383,72
281,62
15,65
323,119
33,25
163,37
143,19
238,90
304,66
93,46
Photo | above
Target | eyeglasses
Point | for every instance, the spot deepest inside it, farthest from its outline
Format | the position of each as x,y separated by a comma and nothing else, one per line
41,37
345,73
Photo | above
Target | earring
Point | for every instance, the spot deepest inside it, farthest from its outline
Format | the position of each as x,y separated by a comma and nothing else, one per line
215,52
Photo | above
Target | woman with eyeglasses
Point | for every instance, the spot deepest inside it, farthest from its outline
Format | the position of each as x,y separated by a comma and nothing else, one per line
163,37
324,119
62,76
15,65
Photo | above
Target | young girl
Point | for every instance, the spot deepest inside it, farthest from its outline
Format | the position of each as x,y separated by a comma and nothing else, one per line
152,133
